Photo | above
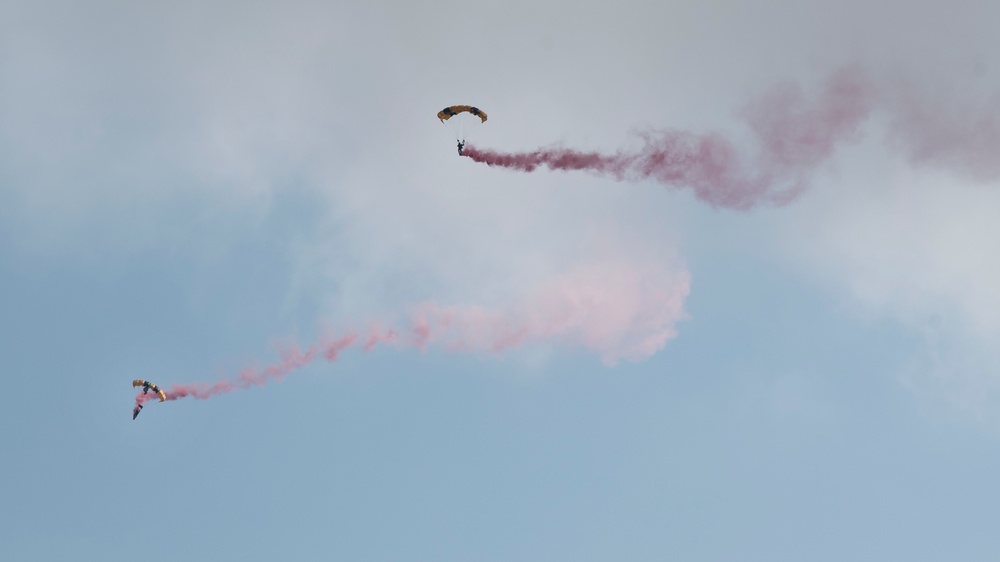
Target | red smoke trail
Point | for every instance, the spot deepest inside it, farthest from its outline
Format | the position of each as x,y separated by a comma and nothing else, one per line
618,311
794,136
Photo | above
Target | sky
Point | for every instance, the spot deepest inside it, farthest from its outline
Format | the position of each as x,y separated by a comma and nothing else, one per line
377,349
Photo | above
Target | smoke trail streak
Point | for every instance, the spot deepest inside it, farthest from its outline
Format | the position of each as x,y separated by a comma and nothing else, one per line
794,137
618,311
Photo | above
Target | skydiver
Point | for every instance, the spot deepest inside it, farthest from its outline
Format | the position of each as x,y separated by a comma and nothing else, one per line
461,145
136,410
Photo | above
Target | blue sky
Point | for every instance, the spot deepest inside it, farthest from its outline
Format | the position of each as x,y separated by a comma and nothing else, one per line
184,188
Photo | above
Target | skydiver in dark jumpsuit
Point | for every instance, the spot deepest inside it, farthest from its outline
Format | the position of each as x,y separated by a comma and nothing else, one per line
461,145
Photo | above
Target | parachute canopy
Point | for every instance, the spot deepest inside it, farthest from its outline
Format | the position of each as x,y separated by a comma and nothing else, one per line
146,387
449,112
462,120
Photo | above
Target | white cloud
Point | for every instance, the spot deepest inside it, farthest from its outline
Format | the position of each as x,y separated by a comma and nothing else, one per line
917,247
117,122
110,114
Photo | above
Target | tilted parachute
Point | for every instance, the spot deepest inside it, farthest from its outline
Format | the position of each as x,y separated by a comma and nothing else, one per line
449,112
147,386
461,120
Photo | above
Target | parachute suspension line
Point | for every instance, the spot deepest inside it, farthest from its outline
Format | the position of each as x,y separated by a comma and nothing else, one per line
462,116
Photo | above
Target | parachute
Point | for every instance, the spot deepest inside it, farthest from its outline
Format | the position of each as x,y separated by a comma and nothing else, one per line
461,120
449,112
147,386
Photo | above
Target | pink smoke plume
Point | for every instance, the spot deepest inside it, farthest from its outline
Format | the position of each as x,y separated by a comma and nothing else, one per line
617,311
794,137
943,133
